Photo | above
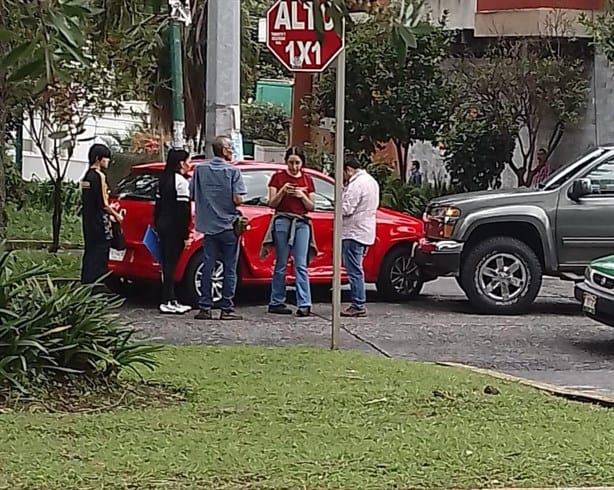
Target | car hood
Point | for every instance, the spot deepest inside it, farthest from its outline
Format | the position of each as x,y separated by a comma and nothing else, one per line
605,265
487,198
390,216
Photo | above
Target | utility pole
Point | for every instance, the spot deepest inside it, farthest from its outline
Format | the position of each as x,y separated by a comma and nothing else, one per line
223,69
180,14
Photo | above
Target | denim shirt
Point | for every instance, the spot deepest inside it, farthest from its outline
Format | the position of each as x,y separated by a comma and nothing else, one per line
211,188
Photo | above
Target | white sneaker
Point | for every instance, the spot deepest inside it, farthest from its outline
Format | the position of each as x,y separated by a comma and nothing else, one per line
180,307
170,309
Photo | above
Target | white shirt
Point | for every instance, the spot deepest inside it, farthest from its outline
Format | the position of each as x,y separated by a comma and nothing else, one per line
360,203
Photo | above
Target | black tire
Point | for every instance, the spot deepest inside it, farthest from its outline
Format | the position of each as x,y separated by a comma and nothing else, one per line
500,255
397,260
460,284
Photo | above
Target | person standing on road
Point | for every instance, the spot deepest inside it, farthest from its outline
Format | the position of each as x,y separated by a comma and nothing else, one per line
415,176
172,216
216,188
97,214
360,203
291,194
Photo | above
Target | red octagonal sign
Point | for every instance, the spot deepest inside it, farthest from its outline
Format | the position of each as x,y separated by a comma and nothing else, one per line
292,37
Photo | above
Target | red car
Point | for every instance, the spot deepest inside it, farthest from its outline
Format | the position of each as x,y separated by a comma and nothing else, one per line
389,262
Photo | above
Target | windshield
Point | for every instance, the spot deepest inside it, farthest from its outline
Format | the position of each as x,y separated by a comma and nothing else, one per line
562,174
138,187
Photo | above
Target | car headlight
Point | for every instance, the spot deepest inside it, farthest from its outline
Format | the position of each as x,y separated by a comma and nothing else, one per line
446,217
588,273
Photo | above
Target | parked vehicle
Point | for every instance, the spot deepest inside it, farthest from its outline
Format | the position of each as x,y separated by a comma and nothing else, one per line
499,244
596,292
389,262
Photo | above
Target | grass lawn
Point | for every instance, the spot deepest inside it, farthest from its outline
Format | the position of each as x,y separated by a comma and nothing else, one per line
35,224
64,264
289,419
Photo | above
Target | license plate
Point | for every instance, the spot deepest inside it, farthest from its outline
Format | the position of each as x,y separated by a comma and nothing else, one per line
590,301
117,255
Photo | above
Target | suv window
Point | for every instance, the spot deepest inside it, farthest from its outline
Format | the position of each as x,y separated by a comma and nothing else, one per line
138,187
562,174
602,178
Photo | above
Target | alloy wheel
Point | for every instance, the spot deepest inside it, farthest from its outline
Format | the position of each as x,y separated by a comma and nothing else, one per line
502,277
216,281
404,275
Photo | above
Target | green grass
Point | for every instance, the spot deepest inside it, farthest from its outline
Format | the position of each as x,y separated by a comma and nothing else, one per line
35,224
64,264
290,419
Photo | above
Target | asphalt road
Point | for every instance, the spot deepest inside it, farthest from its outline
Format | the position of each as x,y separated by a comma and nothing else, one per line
554,343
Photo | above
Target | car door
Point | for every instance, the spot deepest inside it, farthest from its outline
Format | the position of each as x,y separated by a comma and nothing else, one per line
256,209
585,228
321,267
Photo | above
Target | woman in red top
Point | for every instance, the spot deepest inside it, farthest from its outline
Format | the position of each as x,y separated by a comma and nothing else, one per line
291,194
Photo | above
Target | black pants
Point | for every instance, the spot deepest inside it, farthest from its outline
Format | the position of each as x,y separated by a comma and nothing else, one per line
171,246
95,255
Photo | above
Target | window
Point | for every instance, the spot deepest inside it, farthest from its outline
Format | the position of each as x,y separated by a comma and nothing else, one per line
562,174
325,195
138,187
602,178
257,186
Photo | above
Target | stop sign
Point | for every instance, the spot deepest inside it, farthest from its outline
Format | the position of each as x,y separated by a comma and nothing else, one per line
292,37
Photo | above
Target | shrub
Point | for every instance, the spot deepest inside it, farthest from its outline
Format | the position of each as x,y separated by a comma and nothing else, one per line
48,332
412,199
264,121
124,161
39,194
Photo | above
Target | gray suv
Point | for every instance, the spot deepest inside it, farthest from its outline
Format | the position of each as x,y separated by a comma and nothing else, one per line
499,244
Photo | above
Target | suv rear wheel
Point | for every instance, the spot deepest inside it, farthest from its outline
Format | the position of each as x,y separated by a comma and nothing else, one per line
399,276
501,275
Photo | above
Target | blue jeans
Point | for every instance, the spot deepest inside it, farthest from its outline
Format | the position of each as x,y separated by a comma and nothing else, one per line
225,246
353,255
284,241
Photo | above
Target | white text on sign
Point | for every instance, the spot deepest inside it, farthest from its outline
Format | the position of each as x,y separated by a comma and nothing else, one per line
288,17
305,50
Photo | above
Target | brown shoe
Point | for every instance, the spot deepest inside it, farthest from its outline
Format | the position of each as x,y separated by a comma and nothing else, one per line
203,315
352,312
230,315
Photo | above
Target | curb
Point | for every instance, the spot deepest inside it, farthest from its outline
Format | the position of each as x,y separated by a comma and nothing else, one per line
579,396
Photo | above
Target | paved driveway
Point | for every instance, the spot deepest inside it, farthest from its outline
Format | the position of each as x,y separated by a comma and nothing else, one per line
554,343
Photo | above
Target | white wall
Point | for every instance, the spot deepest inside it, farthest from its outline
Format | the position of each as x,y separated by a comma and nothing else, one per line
131,115
461,13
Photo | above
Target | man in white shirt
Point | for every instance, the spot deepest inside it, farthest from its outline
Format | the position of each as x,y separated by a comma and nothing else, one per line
360,203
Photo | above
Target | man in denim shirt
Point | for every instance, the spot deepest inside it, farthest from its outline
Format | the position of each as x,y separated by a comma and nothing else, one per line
216,188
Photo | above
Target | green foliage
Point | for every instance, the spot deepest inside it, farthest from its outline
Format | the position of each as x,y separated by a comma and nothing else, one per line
47,331
601,27
39,195
526,85
122,162
405,197
16,187
264,121
404,102
476,149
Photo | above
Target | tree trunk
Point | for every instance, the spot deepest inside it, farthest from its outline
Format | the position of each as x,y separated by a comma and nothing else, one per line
56,220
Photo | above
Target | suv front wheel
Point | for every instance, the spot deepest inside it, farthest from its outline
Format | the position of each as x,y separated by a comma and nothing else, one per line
501,276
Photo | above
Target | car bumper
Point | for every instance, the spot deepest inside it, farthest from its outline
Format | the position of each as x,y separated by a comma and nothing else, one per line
440,258
596,303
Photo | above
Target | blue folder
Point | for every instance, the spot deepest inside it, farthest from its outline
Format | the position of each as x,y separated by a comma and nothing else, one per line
152,243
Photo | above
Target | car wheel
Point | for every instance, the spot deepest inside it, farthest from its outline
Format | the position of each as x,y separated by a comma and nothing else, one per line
399,277
501,276
190,284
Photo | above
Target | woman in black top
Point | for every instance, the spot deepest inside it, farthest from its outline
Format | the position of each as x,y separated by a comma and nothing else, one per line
172,216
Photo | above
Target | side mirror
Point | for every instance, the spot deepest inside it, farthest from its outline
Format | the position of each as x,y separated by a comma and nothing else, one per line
580,188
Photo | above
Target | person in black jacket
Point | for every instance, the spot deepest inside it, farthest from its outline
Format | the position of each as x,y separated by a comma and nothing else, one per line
172,216
97,214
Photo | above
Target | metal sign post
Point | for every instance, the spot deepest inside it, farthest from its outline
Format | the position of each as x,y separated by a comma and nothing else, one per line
338,227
